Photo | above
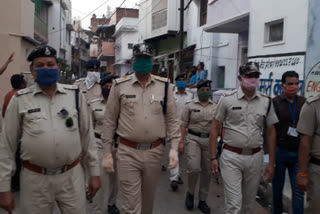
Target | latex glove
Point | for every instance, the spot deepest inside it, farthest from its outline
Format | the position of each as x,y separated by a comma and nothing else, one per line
173,159
107,163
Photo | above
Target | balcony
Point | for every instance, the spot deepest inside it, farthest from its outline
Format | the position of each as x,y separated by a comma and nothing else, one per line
225,16
40,30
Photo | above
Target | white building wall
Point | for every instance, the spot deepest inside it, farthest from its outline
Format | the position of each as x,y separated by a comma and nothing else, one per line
213,49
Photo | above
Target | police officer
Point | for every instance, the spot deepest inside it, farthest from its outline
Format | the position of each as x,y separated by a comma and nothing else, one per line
89,86
98,108
309,153
197,116
243,114
141,113
182,97
55,129
163,72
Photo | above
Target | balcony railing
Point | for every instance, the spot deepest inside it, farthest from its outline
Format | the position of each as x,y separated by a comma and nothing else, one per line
40,27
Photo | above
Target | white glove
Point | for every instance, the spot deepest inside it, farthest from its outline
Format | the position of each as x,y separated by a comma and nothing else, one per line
107,163
173,159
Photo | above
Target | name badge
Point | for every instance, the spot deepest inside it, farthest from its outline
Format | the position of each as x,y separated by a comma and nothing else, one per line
130,96
196,110
98,109
292,132
236,108
34,110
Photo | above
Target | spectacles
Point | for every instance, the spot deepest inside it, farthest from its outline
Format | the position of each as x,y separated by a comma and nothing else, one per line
252,75
292,83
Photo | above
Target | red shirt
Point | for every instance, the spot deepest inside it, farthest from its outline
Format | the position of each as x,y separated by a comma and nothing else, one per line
7,99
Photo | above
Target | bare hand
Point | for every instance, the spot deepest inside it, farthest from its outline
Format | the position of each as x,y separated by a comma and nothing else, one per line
303,183
107,163
173,159
7,201
214,166
181,147
94,185
269,173
10,59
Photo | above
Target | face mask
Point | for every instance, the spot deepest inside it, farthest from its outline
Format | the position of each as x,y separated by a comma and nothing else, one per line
47,76
92,78
291,90
142,65
204,95
105,92
181,84
250,83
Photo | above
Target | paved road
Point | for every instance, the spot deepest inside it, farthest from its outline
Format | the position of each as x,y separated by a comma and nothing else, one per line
168,202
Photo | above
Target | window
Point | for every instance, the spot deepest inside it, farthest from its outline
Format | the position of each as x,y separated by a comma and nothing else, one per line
221,76
203,12
130,45
274,31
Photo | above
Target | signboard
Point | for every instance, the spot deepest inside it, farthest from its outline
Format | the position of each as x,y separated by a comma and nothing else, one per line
272,69
312,86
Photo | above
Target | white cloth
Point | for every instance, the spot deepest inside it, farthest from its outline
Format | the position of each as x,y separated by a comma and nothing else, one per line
91,79
181,100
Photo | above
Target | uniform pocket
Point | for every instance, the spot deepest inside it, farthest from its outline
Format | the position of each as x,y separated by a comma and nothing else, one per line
35,123
260,120
156,107
128,105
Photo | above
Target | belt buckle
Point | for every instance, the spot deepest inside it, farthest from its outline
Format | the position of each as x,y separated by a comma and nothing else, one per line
144,146
204,135
53,171
246,151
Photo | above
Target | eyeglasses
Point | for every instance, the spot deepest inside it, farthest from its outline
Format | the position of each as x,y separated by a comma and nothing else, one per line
252,75
292,83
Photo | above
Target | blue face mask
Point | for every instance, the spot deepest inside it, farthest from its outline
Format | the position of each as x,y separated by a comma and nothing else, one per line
47,76
181,84
142,65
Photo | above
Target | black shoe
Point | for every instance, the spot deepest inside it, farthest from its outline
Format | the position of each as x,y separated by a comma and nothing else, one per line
174,186
203,206
189,201
113,209
180,181
163,168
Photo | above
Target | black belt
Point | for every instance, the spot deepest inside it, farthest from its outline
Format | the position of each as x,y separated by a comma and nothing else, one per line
199,134
315,161
97,135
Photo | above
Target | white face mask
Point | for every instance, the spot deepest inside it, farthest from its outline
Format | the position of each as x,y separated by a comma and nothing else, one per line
91,79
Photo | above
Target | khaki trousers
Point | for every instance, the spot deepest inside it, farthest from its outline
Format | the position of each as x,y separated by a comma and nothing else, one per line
313,195
241,176
39,192
138,174
198,163
109,183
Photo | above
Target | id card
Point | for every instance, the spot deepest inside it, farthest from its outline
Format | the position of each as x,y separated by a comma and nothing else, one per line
292,132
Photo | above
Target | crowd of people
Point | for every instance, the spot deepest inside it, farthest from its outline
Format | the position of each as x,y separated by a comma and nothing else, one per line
60,144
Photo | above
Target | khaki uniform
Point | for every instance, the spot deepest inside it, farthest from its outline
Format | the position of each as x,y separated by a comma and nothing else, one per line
135,113
198,118
243,122
309,124
98,107
46,141
90,94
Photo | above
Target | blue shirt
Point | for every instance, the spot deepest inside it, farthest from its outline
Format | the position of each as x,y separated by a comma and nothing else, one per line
193,79
201,75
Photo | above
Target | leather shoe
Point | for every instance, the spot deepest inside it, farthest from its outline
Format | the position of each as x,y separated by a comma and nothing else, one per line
180,181
174,186
113,209
163,168
189,201
203,206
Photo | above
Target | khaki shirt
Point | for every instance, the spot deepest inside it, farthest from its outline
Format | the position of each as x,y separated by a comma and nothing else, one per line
243,120
90,94
181,100
309,123
198,118
135,112
98,107
46,140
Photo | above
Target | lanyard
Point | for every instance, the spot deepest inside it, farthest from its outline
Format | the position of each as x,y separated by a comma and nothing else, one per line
293,111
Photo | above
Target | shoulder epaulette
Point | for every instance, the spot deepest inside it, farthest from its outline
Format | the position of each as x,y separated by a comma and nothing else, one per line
95,100
73,87
122,79
162,79
79,80
190,101
24,91
230,93
313,98
262,94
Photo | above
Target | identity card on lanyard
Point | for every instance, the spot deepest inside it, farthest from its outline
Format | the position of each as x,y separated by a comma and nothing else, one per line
292,131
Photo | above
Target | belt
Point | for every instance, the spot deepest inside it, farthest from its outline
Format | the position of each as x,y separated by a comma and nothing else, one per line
141,146
48,171
242,151
97,135
199,134
315,161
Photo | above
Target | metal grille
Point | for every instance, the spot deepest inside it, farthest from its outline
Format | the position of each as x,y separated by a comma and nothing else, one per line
159,19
